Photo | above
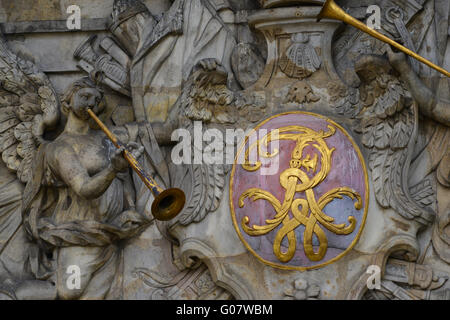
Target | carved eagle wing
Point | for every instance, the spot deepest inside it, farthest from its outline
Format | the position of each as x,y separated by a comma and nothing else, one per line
389,127
207,186
205,98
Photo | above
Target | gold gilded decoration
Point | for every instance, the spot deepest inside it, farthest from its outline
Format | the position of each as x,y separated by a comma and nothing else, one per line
307,212
317,148
168,203
331,10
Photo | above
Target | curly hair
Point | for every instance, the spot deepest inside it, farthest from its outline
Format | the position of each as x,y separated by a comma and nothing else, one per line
73,88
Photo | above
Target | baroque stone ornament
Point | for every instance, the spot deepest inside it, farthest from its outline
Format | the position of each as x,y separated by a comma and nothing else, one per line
317,196
206,71
300,60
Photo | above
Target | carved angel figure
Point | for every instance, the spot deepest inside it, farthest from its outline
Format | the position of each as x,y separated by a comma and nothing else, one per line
78,202
161,52
301,59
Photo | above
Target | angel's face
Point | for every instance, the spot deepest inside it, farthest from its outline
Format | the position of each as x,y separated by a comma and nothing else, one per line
87,98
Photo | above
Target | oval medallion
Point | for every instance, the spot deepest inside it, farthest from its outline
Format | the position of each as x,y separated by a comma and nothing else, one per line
299,191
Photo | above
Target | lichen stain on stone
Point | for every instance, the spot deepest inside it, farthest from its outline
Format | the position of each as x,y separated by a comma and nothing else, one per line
37,10
158,112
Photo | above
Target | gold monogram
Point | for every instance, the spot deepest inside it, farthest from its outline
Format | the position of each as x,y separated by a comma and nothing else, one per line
307,212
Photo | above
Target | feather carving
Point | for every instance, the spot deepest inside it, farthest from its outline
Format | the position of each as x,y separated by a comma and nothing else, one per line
28,106
389,129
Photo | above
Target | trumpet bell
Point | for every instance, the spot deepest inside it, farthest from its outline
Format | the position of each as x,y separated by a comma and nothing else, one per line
168,204
331,10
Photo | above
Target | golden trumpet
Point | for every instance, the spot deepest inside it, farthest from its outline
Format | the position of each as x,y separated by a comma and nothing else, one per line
331,10
168,203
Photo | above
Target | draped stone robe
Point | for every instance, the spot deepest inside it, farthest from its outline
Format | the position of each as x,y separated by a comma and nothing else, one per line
187,33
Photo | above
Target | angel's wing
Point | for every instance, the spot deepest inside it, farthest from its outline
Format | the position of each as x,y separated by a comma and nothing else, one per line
28,106
203,184
205,98
207,186
390,127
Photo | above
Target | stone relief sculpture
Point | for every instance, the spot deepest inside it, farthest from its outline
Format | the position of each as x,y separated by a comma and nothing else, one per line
409,281
423,187
164,52
301,60
65,192
388,127
78,200
114,74
207,44
88,205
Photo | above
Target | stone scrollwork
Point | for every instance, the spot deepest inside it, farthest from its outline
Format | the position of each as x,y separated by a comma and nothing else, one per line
194,284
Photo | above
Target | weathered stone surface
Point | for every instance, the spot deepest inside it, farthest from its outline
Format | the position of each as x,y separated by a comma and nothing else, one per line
206,66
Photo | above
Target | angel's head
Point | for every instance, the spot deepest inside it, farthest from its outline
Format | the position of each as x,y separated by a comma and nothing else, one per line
129,20
81,95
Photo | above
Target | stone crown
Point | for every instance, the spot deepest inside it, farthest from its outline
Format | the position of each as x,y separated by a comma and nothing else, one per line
125,9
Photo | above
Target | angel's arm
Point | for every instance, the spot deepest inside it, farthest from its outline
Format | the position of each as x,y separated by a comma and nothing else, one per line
430,105
72,172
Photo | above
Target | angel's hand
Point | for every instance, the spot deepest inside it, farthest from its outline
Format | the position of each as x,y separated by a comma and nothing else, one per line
397,59
118,161
136,149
